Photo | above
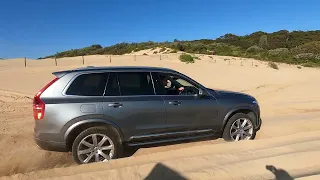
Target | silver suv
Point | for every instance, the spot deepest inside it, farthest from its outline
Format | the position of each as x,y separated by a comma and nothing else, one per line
96,111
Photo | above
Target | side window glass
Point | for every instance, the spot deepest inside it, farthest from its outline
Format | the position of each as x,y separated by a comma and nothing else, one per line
88,85
175,85
135,83
112,88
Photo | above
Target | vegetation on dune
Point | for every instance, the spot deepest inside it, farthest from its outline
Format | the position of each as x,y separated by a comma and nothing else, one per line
273,65
187,58
296,47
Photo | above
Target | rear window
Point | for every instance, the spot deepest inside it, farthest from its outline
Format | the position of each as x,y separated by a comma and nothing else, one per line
135,83
88,85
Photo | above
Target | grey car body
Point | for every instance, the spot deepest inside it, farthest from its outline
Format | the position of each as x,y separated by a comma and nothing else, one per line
138,119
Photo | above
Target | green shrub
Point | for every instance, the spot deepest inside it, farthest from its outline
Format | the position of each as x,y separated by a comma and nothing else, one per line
311,47
187,58
263,42
136,50
255,49
311,64
273,65
280,52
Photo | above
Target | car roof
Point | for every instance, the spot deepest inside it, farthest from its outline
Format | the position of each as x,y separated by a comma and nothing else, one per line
113,68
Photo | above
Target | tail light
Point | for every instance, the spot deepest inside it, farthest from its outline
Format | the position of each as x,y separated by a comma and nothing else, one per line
38,104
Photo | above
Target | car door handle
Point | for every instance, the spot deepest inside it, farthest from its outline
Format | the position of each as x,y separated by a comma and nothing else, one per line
174,102
115,104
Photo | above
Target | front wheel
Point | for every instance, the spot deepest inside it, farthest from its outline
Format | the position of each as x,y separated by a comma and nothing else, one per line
95,144
239,127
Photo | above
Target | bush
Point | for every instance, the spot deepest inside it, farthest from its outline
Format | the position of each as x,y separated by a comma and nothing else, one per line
187,58
305,56
273,65
311,64
173,51
155,52
280,52
254,50
311,47
145,54
162,49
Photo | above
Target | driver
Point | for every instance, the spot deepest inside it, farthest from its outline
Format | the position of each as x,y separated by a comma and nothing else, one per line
167,84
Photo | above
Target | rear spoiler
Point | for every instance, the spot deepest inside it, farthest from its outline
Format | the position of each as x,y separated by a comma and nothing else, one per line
59,74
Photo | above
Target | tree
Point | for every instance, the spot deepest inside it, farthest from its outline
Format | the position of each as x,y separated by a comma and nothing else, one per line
263,42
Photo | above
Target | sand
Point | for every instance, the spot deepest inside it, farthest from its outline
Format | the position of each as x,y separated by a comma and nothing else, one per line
289,139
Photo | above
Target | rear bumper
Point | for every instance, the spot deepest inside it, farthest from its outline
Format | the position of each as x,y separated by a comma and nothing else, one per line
51,145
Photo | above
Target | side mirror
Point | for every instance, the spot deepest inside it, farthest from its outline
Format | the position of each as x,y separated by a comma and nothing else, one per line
200,92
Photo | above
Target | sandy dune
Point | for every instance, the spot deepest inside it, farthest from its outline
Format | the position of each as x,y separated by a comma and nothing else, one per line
289,138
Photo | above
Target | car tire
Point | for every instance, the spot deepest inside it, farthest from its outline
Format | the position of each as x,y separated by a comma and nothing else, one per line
231,129
110,149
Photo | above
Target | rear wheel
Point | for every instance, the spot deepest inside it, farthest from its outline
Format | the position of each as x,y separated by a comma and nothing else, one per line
239,127
96,144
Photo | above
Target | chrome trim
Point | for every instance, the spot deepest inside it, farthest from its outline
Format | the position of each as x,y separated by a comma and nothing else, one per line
170,140
169,133
154,89
115,71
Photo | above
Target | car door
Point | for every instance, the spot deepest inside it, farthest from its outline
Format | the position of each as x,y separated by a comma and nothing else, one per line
130,102
187,110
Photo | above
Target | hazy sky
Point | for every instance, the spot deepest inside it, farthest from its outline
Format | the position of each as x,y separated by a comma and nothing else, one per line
35,28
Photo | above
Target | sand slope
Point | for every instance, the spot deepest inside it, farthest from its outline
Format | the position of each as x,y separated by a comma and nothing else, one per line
289,138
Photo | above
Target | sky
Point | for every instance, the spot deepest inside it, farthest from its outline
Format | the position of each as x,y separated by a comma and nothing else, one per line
37,28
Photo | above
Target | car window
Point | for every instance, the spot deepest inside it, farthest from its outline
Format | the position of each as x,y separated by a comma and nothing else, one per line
169,84
135,83
112,88
88,85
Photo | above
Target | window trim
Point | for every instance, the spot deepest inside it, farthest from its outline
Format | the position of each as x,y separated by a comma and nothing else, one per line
112,71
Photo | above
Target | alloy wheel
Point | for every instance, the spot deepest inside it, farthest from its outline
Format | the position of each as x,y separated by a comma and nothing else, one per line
241,129
95,148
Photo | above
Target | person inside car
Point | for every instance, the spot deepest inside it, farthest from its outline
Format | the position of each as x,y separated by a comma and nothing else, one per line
169,85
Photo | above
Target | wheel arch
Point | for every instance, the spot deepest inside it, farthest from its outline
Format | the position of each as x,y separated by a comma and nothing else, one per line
245,109
77,127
